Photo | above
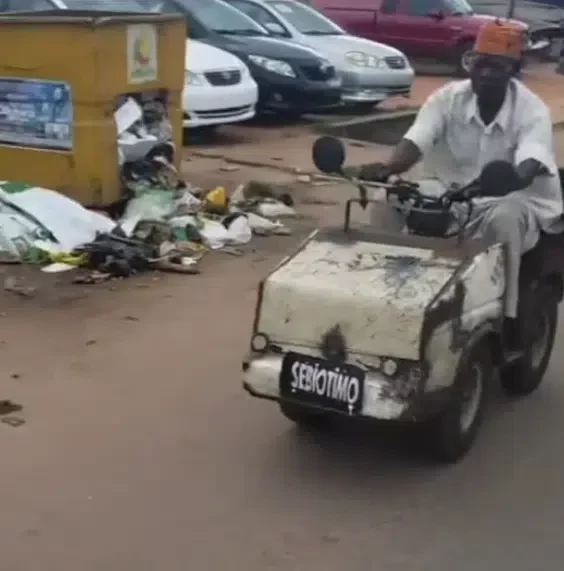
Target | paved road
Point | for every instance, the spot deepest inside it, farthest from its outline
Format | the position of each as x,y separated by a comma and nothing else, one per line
141,452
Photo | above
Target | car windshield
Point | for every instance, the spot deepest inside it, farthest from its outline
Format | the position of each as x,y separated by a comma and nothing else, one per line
222,18
458,7
306,19
105,5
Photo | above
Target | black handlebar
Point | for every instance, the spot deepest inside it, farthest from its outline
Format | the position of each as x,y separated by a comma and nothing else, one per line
406,190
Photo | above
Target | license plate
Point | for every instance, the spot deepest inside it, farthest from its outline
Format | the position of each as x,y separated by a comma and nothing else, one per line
326,384
335,82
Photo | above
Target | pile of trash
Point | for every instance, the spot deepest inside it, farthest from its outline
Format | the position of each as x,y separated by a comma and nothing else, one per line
166,224
169,228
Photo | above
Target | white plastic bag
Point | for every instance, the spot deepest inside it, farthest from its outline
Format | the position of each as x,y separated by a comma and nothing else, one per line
239,231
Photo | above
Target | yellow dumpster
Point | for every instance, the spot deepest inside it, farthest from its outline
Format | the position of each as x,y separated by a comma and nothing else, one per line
61,74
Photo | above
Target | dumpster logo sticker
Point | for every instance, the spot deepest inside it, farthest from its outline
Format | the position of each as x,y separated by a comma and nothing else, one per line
142,62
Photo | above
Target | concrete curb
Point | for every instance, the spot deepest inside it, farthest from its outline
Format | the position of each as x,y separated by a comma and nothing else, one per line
247,163
356,129
384,129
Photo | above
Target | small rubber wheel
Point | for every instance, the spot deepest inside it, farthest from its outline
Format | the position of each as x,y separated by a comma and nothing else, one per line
524,376
463,58
450,435
303,416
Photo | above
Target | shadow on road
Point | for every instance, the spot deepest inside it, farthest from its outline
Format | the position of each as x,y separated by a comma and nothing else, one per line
382,456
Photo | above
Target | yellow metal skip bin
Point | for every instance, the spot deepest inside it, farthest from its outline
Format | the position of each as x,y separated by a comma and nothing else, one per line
60,76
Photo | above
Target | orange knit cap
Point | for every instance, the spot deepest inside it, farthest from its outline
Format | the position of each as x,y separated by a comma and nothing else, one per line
498,38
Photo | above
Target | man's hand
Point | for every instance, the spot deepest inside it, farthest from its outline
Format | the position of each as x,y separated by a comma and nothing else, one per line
374,172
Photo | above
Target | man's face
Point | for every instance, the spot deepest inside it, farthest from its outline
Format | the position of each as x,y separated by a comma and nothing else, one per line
490,75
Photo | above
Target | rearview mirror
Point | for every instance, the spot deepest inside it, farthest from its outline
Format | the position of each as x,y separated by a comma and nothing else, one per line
436,14
328,154
498,178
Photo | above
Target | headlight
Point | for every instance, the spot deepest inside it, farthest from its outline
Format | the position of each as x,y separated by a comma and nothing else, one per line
274,65
389,367
361,59
259,342
191,78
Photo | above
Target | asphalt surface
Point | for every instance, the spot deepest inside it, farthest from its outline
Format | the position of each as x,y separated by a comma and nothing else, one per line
140,450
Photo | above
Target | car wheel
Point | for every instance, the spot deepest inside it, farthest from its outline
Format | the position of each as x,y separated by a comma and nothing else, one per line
450,435
303,416
464,58
524,376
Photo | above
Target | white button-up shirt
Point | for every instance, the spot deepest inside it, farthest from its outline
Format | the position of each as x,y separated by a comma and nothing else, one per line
456,144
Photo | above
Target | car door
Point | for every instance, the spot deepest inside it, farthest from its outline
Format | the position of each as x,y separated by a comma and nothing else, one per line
422,29
357,17
387,24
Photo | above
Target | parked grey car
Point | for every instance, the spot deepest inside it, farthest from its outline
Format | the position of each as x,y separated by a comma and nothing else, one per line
371,71
39,5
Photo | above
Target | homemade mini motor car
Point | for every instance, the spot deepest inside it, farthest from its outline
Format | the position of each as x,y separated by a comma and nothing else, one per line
403,326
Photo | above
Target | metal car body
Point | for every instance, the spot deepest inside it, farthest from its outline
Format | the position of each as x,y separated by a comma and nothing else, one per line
218,88
406,323
371,71
437,29
101,5
291,78
400,308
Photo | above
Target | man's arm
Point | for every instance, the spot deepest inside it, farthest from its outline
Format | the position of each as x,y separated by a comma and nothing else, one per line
534,154
428,126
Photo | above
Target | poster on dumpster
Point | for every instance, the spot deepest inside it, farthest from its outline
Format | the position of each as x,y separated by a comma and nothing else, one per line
142,54
35,113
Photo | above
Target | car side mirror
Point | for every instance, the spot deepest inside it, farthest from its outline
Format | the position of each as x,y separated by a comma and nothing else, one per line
328,154
436,14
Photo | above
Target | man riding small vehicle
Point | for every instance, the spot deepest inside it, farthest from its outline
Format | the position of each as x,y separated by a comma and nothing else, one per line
411,326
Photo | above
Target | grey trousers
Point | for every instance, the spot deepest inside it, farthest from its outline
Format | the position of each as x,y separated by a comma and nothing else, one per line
509,220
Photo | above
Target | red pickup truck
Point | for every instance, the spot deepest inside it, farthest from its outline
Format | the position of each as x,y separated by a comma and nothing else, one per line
439,29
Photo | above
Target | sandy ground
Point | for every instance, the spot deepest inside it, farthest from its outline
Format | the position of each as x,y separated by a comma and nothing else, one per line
139,451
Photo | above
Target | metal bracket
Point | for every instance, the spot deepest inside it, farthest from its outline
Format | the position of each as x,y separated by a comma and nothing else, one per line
363,203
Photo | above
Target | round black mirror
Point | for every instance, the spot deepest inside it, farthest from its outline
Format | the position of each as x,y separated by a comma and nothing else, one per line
498,178
328,155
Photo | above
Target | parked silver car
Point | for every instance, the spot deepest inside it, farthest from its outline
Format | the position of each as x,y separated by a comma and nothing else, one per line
371,71
40,5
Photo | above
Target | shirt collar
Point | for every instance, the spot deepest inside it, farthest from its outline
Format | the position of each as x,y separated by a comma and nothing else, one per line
502,117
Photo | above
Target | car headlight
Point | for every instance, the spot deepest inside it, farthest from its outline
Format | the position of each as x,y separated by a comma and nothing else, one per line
259,342
361,59
389,367
191,78
274,65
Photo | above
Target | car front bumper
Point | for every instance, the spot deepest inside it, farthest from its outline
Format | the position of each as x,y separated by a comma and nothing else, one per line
215,105
377,85
278,93
382,400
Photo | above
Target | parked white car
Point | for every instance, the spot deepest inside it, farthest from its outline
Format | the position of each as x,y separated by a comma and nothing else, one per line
371,71
218,87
